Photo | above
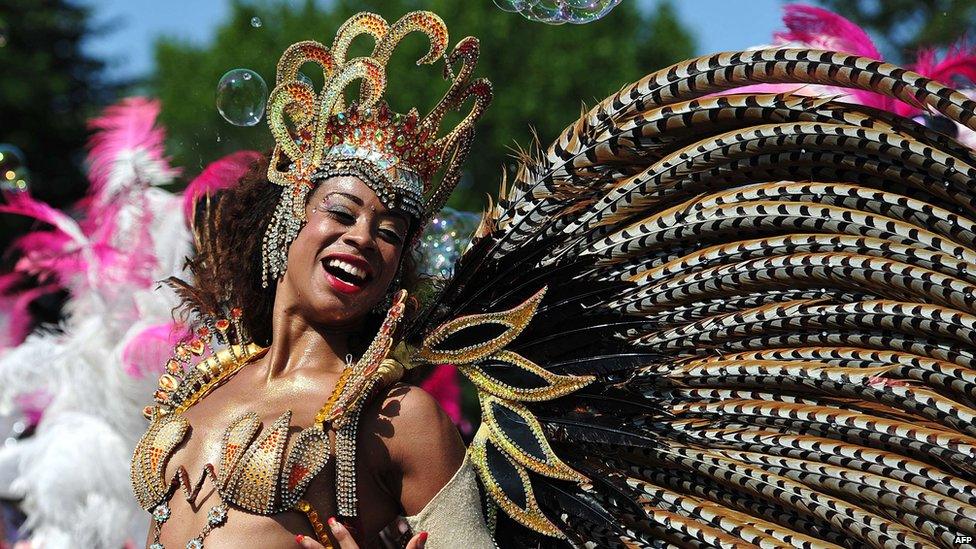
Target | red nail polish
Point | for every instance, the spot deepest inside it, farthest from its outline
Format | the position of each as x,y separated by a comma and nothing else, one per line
299,538
331,521
423,538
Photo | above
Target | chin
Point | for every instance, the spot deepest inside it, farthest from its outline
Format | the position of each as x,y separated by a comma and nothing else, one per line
328,306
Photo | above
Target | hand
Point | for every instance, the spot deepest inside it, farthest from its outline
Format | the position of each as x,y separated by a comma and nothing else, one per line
346,541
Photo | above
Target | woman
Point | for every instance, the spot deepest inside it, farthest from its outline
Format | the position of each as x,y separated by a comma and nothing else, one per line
308,267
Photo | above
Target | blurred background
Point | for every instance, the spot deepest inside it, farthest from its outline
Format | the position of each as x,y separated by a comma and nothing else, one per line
61,61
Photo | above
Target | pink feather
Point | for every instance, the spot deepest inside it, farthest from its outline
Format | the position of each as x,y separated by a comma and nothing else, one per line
148,349
442,384
822,29
219,174
127,148
68,249
16,303
32,405
25,205
819,28
959,61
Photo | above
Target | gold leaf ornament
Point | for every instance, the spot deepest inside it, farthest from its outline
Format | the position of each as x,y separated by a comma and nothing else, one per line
530,383
513,321
508,484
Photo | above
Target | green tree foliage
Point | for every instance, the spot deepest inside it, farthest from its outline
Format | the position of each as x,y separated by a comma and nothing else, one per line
541,73
901,27
48,90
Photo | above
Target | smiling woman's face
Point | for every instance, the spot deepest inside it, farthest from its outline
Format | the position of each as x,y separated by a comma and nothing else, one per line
343,260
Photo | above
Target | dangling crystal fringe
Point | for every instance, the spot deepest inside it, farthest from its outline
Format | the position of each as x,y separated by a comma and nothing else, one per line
346,464
281,231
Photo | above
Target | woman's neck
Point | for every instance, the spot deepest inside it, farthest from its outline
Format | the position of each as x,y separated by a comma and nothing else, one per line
296,343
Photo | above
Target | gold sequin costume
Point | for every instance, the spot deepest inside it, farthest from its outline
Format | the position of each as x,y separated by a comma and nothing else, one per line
253,472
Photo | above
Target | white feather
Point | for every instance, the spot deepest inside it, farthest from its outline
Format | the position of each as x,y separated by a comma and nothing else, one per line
73,474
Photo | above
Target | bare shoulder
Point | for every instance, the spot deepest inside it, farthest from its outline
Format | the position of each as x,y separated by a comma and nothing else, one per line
424,446
416,416
415,404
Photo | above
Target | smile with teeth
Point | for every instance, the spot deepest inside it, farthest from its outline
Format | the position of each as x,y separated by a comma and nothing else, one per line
346,272
344,275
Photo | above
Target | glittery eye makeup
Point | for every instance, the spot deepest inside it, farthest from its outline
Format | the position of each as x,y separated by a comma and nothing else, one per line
335,204
332,205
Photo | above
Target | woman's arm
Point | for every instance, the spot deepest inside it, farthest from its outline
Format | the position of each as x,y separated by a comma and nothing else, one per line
438,488
426,449
426,452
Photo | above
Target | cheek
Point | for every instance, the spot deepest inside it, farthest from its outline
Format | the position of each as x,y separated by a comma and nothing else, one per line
305,244
391,260
311,239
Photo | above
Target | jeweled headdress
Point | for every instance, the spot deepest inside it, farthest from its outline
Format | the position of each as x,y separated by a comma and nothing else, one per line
399,156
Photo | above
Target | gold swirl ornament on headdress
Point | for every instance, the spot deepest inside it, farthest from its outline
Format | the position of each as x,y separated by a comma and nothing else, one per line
317,136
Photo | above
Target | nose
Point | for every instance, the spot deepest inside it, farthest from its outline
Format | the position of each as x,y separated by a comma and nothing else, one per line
360,236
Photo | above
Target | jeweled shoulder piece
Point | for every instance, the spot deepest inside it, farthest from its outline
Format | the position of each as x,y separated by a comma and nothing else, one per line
318,136
214,348
510,442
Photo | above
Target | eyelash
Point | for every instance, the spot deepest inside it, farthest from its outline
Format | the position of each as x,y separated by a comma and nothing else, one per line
392,236
341,215
346,217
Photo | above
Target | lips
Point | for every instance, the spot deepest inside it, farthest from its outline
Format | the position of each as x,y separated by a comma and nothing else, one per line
346,273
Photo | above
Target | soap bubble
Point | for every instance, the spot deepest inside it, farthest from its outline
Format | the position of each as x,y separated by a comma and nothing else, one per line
557,12
14,175
515,6
547,11
444,239
256,22
241,97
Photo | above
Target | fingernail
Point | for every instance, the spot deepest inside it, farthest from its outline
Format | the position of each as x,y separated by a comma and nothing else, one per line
332,521
422,538
299,538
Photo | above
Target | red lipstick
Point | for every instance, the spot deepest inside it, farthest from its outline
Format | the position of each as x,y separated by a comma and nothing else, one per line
349,279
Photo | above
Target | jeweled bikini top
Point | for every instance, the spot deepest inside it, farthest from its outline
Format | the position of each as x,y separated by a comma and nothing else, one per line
253,473
249,473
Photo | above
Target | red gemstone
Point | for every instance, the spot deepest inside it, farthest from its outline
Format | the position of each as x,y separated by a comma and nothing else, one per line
298,472
174,367
196,347
236,312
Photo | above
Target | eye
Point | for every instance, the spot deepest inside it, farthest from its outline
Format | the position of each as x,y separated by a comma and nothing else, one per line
342,215
392,236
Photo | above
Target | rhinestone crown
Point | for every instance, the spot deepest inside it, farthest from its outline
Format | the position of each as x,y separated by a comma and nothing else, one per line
317,135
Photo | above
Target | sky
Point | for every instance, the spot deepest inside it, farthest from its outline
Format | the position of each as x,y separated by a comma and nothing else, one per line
718,25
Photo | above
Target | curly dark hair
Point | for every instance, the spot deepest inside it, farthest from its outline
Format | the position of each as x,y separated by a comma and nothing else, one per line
228,229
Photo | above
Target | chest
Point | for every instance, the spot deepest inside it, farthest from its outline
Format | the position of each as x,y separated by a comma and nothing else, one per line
248,411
